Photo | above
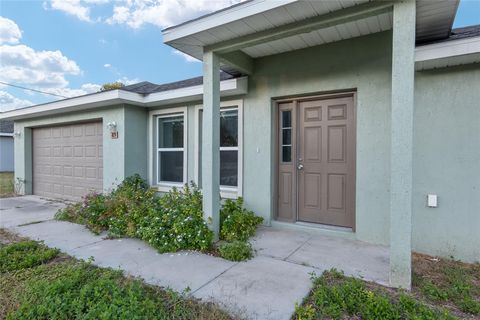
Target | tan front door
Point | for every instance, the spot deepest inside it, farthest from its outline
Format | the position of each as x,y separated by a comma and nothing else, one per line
67,160
322,168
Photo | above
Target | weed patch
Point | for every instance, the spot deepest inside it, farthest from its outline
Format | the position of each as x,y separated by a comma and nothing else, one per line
65,288
335,296
453,284
236,250
25,254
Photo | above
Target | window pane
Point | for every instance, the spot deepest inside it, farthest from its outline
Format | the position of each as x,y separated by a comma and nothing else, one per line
170,164
229,168
286,154
170,132
229,128
287,136
287,119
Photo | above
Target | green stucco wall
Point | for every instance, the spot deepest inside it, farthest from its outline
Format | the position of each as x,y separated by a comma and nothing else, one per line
120,156
136,131
447,162
363,64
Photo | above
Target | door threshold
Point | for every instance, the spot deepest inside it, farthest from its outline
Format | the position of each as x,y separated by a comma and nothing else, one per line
316,228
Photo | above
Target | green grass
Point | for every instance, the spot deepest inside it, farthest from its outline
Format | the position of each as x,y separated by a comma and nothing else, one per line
447,282
335,296
25,254
6,184
65,288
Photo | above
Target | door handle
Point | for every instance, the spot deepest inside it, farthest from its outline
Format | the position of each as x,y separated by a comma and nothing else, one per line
300,167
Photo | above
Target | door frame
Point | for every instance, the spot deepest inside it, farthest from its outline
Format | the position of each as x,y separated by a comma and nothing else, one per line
276,150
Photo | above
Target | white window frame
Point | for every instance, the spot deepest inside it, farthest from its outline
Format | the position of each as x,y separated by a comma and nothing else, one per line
226,192
155,115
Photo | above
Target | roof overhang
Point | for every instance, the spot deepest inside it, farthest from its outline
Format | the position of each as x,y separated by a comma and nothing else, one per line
230,87
260,28
447,54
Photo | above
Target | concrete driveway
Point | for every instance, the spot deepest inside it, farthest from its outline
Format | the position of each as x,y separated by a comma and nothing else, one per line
265,287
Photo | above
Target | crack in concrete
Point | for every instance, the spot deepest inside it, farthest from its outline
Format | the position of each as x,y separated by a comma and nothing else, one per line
308,239
214,278
88,244
33,222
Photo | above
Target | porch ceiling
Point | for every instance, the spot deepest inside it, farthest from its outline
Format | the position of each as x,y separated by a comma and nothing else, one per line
434,21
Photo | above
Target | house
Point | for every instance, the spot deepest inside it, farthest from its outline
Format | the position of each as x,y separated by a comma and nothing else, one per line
6,146
357,119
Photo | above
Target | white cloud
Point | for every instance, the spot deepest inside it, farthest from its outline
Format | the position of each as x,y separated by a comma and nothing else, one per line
70,92
9,31
107,65
9,102
126,81
163,13
91,87
185,56
136,13
75,8
22,64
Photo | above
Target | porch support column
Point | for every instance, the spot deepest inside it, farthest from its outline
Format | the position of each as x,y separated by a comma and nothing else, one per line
403,63
211,141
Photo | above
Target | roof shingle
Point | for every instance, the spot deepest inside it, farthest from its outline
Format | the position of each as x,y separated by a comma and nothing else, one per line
6,126
146,87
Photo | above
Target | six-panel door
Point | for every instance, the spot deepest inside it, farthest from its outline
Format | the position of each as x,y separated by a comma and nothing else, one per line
323,163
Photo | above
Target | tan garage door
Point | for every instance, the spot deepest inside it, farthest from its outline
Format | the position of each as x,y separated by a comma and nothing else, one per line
67,160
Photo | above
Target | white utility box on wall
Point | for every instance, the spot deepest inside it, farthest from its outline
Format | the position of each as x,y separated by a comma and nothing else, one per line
432,201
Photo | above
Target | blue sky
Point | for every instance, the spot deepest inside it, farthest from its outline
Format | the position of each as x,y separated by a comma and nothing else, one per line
71,47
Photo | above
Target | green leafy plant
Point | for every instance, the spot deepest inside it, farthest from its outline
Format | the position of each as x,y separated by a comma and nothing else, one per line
25,254
338,297
236,222
171,222
236,250
112,86
78,290
118,212
177,222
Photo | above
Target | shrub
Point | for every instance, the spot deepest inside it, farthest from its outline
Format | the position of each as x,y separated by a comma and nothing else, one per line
177,222
236,222
71,213
236,250
119,212
23,255
128,205
169,223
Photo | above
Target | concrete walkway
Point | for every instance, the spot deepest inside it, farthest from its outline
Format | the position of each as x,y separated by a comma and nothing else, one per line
265,287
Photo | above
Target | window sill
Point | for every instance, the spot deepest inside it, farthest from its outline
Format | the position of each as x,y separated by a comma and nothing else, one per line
228,193
166,187
225,192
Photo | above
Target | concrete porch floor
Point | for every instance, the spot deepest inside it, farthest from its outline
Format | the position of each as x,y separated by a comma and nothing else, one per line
265,287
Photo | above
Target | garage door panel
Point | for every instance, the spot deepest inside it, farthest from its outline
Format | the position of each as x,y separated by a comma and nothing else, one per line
67,160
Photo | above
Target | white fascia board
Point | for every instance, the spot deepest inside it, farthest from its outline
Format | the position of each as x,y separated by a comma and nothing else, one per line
447,49
223,17
228,87
3,134
91,101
